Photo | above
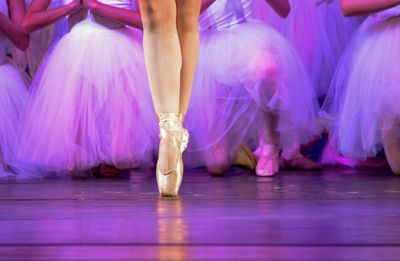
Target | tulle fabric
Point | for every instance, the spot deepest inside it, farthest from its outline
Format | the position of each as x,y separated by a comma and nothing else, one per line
363,100
339,29
244,72
13,93
318,32
90,103
41,41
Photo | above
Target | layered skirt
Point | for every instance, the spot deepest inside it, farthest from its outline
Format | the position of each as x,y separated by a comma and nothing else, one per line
90,103
319,32
247,74
364,98
13,94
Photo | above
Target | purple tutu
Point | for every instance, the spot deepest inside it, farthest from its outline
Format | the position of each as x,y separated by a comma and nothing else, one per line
363,100
245,71
318,32
90,103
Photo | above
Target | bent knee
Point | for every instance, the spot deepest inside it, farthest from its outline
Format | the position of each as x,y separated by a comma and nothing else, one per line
263,66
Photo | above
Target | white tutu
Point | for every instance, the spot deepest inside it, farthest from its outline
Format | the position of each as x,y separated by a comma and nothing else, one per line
244,72
90,103
13,93
365,92
319,34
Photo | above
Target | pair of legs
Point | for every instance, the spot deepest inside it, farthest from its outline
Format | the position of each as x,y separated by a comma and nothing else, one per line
171,46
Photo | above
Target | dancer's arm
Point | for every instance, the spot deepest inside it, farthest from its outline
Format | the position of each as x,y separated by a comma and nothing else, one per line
364,7
205,4
38,16
12,27
281,7
121,15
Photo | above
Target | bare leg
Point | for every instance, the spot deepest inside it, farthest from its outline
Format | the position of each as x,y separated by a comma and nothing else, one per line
188,12
162,53
163,62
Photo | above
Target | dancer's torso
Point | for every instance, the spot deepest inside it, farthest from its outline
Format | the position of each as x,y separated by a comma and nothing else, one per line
223,14
98,21
3,10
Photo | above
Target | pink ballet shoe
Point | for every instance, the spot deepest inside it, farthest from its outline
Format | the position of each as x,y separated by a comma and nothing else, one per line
300,163
267,166
268,160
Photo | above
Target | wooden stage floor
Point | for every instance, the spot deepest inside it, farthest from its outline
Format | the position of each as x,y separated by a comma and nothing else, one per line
336,214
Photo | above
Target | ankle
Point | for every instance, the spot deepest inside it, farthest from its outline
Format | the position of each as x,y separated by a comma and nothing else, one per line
269,151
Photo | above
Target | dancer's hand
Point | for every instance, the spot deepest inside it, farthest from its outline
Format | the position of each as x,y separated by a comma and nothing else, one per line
77,5
90,4
281,7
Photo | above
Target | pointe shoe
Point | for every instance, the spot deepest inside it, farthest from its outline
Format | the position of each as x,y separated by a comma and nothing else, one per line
172,132
267,166
268,160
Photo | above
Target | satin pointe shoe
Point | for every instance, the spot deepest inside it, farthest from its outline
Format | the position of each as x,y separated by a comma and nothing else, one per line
175,138
268,161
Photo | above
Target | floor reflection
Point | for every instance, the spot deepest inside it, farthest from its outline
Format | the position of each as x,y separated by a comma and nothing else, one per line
172,229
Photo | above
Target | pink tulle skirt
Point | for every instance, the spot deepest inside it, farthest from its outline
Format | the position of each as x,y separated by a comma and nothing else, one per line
244,73
13,93
318,32
90,103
